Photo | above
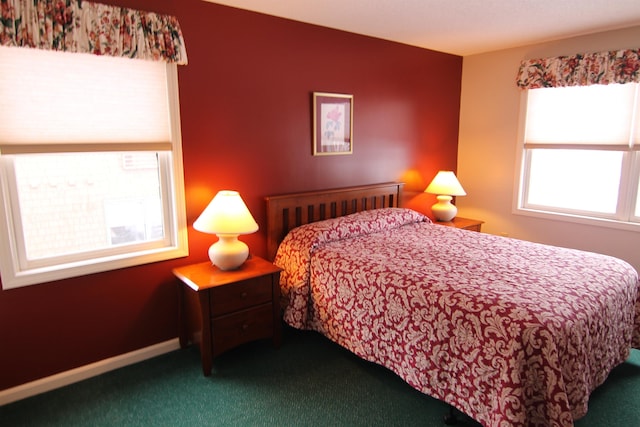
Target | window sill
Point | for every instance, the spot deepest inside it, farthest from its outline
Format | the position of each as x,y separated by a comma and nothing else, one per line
578,219
16,279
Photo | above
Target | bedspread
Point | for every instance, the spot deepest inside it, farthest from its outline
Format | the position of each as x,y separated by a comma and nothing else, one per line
510,332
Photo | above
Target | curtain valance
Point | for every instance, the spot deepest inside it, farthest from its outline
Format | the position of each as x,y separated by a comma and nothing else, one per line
618,66
86,27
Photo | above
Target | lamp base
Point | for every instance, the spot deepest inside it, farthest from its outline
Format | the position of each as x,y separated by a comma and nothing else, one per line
228,253
443,210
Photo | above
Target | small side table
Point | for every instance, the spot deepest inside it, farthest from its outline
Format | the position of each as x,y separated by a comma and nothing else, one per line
220,310
464,223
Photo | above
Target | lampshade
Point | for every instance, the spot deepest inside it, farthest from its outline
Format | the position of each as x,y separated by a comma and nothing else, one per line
227,216
445,185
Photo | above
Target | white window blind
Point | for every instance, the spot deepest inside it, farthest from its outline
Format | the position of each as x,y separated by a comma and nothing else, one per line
596,114
81,99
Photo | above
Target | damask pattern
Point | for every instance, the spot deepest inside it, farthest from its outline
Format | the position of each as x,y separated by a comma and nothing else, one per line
512,333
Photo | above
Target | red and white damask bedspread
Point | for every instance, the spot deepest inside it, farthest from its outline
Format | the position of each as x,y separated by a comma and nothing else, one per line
510,332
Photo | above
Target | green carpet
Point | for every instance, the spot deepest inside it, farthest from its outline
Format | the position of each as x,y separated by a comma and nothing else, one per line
309,381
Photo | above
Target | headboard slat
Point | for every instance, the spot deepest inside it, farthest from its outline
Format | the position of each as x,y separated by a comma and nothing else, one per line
287,211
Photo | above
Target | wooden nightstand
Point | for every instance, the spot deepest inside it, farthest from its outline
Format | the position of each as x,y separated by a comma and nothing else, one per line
464,223
220,310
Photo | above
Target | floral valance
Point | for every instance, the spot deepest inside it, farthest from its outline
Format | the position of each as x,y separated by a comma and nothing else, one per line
86,27
619,66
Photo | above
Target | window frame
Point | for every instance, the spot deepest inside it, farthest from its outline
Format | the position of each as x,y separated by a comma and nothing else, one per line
171,176
624,218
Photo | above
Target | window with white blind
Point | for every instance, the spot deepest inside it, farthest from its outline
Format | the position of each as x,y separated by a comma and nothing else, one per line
581,153
90,165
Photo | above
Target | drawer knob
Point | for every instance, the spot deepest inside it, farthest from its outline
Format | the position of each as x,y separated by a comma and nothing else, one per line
243,295
245,327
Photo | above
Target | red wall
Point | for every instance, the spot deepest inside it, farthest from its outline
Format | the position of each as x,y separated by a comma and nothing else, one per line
245,101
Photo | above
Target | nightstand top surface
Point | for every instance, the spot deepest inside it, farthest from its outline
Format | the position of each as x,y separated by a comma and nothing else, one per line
460,222
205,275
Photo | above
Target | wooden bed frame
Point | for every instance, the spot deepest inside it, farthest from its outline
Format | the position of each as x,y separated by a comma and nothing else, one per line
287,211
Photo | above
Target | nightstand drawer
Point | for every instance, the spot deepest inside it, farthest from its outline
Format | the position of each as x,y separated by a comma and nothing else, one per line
241,327
240,295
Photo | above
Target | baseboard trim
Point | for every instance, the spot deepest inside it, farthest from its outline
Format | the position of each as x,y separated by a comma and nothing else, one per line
85,372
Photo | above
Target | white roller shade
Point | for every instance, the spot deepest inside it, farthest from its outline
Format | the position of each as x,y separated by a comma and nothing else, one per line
132,111
600,115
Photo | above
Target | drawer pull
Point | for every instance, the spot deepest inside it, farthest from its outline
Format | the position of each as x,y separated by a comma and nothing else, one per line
243,295
245,327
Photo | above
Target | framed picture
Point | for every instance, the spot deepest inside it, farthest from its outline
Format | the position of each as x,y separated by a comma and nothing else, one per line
332,124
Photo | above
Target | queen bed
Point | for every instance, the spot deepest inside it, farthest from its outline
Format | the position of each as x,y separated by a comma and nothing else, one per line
510,332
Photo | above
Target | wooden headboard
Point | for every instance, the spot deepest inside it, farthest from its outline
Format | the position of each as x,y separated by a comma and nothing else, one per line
287,211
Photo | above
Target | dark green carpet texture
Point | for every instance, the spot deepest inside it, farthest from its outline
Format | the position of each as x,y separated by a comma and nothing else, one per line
309,381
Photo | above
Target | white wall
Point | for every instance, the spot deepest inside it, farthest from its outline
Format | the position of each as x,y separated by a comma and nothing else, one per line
488,147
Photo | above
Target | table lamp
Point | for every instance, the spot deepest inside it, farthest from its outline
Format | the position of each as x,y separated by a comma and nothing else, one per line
445,185
227,216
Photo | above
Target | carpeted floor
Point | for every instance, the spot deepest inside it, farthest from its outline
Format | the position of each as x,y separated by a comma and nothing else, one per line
307,382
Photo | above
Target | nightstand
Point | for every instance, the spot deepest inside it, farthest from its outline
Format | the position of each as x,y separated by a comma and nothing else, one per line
464,223
220,310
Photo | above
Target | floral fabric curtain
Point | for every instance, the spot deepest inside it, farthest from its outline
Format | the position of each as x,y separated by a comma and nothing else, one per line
619,66
85,27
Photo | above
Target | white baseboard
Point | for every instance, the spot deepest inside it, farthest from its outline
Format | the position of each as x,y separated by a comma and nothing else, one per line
84,372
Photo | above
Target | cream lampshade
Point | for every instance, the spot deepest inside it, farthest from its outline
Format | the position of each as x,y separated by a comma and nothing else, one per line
445,185
227,216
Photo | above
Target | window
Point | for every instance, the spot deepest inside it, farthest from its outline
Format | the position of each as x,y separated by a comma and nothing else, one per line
581,153
90,165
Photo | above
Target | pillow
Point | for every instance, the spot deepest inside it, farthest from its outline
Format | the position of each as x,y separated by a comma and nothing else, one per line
354,225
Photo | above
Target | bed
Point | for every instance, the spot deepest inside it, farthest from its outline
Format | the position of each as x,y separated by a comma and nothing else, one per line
510,332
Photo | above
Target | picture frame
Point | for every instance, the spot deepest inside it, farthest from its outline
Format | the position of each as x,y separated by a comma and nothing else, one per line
332,124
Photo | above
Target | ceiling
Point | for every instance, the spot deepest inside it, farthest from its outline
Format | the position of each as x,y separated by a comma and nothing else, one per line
460,27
